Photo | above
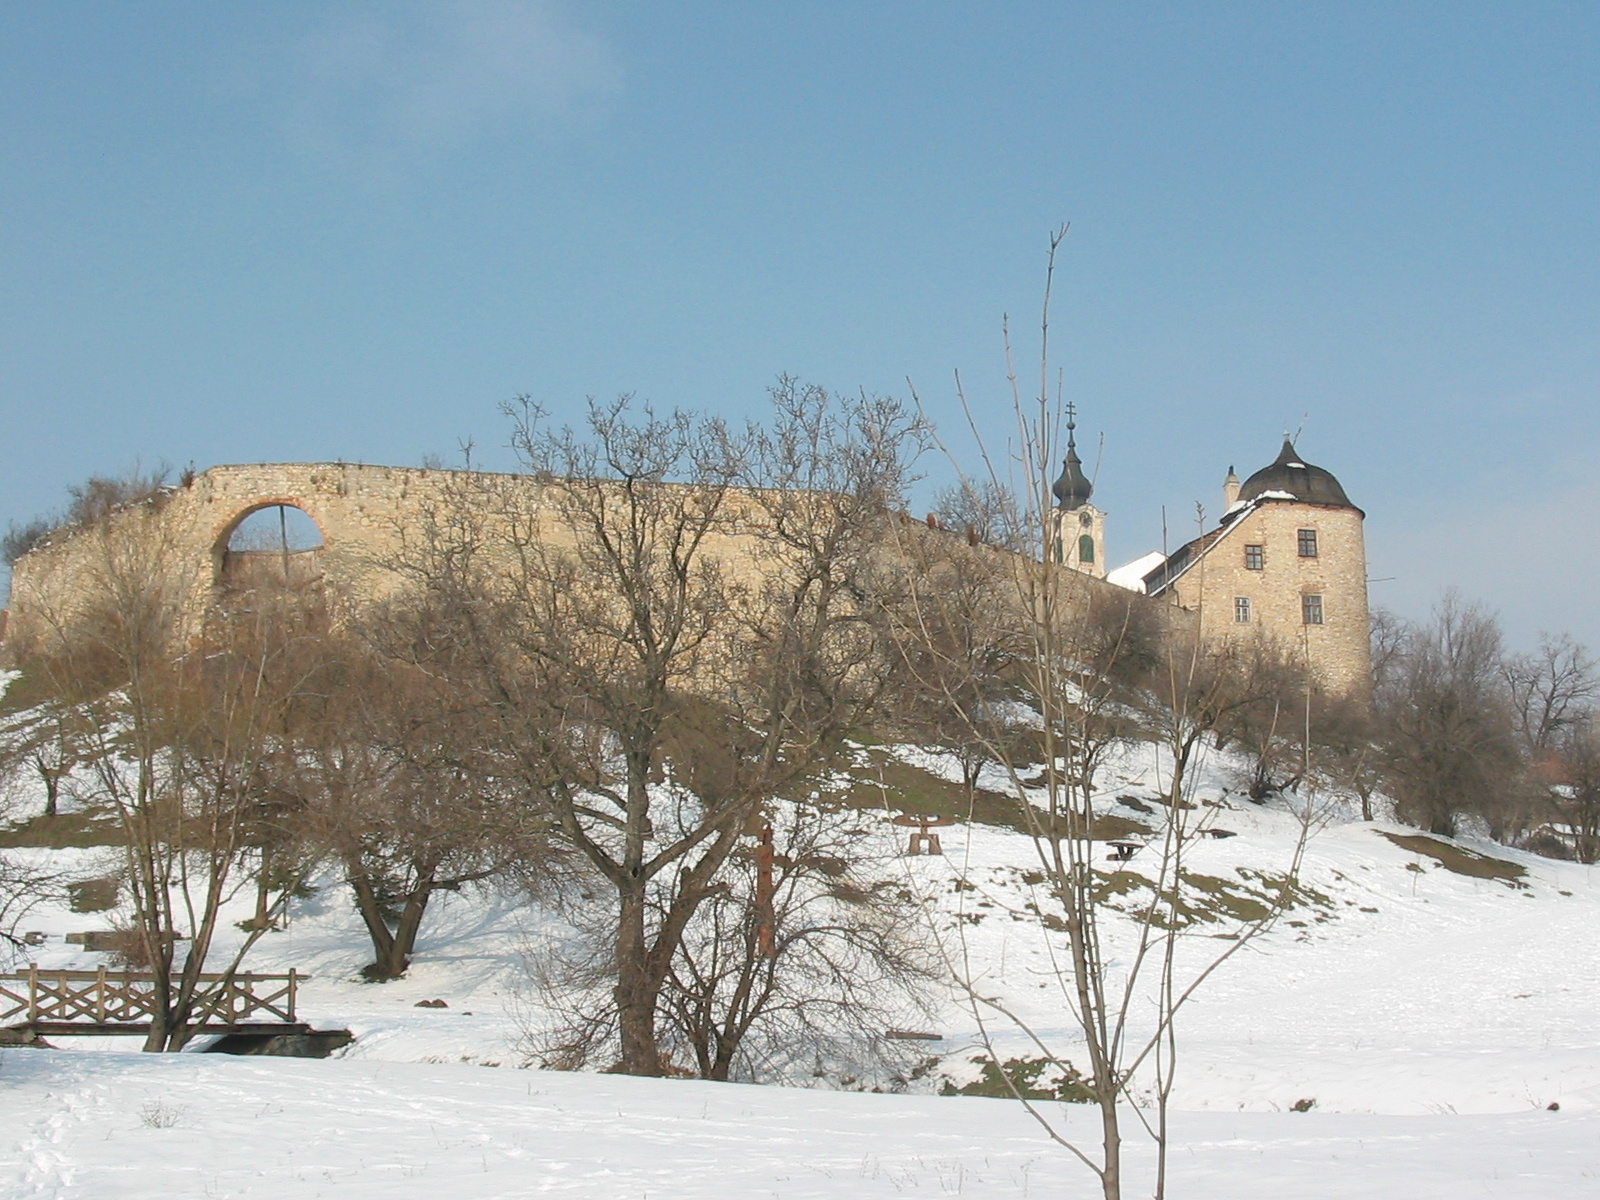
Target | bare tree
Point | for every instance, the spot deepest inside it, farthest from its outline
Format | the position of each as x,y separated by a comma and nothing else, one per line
92,501
617,620
665,633
1348,749
19,539
1347,755
1091,666
793,967
177,727
1571,773
955,687
23,886
983,512
1095,670
38,744
1448,723
1551,690
102,496
1552,693
802,960
1254,696
393,780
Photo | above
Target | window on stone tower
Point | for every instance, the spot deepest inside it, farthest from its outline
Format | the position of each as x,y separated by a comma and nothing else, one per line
1241,610
1308,543
1311,610
1254,558
1086,549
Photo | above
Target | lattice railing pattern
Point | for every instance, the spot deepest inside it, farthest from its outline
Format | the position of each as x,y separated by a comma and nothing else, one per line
110,997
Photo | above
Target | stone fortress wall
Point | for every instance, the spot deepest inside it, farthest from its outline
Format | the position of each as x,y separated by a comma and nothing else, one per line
359,510
364,514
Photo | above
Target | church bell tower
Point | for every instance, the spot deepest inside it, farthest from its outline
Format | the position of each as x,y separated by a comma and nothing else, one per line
1080,527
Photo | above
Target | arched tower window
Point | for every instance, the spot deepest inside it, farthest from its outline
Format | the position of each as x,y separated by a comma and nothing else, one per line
1086,549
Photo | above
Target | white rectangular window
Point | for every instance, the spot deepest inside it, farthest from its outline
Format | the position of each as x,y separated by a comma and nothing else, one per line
1311,609
1241,610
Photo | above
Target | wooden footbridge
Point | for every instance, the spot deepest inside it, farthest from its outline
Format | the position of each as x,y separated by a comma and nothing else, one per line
77,1003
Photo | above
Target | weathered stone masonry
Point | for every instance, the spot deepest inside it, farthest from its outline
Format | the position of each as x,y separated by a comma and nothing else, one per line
1287,564
360,511
364,513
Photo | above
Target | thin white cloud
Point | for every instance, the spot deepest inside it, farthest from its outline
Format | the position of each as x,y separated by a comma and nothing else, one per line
423,77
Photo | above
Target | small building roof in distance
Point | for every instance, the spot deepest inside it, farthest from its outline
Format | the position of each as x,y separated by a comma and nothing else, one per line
1161,576
1132,575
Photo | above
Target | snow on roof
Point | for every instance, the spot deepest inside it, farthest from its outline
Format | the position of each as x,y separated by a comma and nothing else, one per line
1277,496
1131,575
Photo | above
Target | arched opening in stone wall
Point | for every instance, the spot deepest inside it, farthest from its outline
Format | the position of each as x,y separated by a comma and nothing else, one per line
271,546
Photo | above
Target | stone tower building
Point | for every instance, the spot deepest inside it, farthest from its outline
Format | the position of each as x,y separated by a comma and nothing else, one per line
1288,563
1080,527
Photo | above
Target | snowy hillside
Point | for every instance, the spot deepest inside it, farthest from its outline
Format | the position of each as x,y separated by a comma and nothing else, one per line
1431,1000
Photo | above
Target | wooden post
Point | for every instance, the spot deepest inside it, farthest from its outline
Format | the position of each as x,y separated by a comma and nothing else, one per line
765,917
33,992
139,1001
291,995
100,995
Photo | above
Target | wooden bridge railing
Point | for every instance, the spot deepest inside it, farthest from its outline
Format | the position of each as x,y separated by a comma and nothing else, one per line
105,999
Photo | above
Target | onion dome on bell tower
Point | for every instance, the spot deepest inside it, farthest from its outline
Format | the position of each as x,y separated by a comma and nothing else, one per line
1073,489
1078,536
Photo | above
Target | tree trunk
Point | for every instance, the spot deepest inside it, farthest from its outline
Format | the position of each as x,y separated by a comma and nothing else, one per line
371,911
722,1064
1111,1143
404,940
261,919
52,789
635,992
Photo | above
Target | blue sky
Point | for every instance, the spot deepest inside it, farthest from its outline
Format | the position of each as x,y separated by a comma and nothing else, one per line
314,231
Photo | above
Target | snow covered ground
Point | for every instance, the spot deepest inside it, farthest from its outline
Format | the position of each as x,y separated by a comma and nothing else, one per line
1432,1017
145,1126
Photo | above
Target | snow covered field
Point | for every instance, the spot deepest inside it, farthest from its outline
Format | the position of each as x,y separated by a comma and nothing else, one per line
96,1126
1431,1016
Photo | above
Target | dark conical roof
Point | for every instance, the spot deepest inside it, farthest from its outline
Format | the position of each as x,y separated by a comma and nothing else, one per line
1293,476
1073,489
